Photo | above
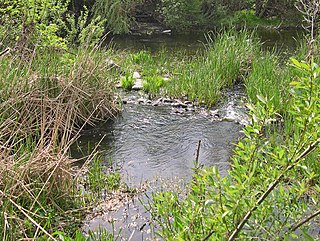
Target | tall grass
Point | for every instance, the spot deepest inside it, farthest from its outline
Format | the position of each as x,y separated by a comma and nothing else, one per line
269,80
225,62
46,98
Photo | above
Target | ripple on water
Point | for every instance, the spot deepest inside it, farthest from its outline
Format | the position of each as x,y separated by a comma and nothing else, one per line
154,141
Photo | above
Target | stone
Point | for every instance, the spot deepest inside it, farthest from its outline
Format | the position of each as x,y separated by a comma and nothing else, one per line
138,84
167,100
136,75
179,104
188,102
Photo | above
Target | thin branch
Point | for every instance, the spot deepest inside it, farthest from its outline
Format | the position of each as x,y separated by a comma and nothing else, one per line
310,148
198,153
303,221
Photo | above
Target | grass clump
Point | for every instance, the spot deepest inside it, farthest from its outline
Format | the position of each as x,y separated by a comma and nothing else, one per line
127,82
225,61
153,84
269,80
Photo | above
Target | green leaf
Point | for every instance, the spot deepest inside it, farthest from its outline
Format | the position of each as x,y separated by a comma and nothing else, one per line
296,62
262,99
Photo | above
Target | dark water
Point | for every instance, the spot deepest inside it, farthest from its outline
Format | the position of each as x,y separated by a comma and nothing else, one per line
281,40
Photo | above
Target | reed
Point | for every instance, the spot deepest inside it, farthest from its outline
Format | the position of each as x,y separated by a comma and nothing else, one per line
46,98
225,61
269,80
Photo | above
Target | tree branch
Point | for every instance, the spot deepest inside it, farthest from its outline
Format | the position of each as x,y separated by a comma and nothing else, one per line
307,151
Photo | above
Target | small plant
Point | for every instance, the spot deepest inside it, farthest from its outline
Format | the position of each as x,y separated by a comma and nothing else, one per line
101,178
141,57
127,82
153,84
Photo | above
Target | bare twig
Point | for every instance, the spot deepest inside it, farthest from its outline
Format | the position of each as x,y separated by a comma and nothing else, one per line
310,10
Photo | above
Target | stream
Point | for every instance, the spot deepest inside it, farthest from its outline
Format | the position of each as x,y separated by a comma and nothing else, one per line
159,142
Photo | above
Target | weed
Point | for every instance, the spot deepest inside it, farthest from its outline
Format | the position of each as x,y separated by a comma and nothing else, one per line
127,82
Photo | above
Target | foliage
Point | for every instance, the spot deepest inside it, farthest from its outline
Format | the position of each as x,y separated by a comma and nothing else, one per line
181,14
82,29
118,14
32,22
153,68
272,188
153,84
249,19
267,78
47,23
190,14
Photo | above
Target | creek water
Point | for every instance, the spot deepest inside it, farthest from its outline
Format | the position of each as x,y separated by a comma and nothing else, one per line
151,142
283,41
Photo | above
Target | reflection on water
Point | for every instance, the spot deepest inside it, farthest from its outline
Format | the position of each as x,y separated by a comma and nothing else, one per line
281,40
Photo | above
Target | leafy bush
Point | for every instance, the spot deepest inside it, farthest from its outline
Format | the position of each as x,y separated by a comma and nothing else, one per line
117,13
32,22
181,15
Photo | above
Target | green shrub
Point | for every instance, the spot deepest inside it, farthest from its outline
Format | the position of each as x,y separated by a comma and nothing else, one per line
117,13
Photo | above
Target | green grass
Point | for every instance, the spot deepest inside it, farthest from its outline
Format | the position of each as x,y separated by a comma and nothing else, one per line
269,80
127,82
225,62
249,19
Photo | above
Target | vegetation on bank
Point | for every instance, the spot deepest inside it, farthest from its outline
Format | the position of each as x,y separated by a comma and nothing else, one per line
49,92
51,89
184,15
47,97
121,17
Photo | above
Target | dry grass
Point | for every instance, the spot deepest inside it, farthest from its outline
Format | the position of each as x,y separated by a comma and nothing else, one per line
45,102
